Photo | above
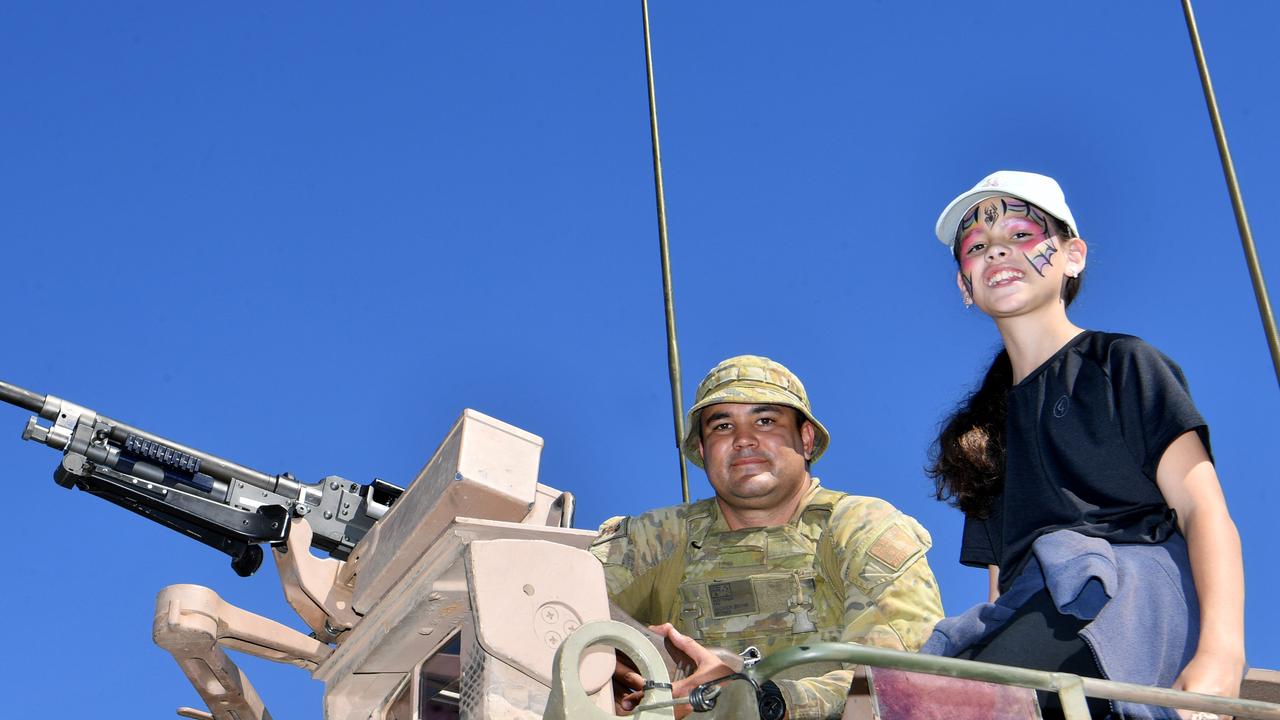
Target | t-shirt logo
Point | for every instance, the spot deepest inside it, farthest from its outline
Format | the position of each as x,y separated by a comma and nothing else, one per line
1060,407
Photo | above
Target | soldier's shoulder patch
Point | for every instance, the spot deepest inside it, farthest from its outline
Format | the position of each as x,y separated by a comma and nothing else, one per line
612,528
894,547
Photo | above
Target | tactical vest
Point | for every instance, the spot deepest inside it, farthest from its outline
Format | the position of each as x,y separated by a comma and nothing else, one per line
760,586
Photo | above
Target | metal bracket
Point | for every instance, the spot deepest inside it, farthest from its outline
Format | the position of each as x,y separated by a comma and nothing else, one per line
312,585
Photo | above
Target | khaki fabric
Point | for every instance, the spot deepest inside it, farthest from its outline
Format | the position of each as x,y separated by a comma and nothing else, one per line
845,568
750,379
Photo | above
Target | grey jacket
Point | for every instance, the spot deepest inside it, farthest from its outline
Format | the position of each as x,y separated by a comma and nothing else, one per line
1140,598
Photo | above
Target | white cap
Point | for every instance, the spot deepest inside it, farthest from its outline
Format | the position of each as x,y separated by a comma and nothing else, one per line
1039,190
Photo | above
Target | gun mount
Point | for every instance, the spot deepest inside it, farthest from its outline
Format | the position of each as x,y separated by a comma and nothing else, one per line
453,604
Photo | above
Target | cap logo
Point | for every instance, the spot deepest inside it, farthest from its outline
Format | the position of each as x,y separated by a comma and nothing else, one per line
991,182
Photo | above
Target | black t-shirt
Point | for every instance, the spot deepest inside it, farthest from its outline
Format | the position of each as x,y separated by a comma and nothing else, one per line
1084,435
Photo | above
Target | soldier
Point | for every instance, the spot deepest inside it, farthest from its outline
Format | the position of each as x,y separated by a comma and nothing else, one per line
774,559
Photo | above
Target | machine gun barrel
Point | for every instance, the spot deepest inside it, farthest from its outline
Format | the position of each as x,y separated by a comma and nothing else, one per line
51,408
221,503
24,399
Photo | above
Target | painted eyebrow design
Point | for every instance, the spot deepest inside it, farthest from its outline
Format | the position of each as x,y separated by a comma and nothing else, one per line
1032,212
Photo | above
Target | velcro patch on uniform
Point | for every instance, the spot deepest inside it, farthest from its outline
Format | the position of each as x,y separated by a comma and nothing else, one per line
894,547
743,556
735,597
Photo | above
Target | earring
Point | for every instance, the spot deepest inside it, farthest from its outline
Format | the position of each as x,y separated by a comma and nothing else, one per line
1072,272
967,300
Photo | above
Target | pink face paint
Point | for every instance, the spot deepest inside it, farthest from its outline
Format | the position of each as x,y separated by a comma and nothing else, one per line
968,221
968,260
1039,253
1014,207
1039,259
1021,224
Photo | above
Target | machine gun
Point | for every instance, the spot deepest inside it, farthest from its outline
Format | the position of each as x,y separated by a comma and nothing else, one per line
447,599
225,505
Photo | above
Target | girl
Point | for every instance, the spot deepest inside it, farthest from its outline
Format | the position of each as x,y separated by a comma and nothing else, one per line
1084,473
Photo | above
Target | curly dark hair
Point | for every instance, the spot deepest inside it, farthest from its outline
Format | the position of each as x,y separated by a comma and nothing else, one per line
966,462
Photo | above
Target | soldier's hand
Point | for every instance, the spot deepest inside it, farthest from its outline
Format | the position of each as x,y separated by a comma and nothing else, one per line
627,685
707,665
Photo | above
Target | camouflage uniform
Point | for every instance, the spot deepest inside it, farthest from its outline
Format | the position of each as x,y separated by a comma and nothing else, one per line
844,568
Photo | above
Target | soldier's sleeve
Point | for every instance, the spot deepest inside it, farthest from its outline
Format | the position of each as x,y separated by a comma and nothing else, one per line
639,555
890,595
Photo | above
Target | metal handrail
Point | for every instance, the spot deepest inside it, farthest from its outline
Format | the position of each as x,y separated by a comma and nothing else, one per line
1071,688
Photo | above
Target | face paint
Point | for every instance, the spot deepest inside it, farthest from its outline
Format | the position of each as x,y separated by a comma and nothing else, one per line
1026,225
967,222
1028,211
969,262
1040,254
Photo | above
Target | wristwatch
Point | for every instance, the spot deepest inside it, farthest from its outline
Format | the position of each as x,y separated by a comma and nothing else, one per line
771,704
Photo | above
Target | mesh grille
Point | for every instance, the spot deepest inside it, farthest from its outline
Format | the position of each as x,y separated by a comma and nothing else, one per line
471,693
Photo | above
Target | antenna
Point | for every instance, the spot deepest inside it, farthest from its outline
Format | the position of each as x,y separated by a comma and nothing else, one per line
1233,187
673,351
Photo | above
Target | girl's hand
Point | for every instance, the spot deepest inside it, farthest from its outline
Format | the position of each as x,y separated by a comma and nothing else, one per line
1212,673
1189,483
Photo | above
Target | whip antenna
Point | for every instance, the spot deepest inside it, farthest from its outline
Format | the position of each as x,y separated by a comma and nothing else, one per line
1233,187
673,351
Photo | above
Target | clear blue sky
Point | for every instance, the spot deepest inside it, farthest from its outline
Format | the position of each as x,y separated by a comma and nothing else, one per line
306,236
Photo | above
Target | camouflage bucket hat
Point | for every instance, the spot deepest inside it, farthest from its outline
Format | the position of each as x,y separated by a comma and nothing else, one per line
749,379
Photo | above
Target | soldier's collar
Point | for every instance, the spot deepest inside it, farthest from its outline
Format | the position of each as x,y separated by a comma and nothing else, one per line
814,486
